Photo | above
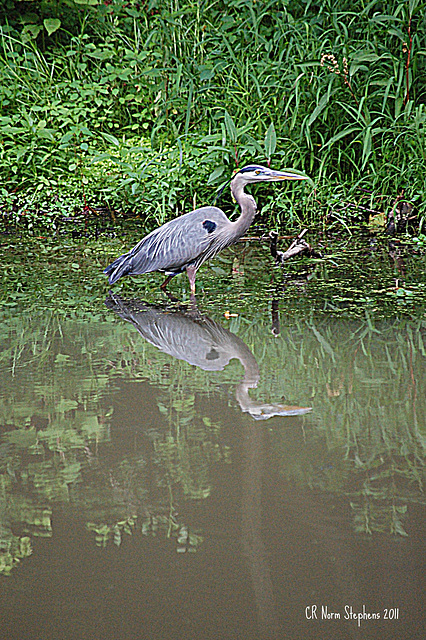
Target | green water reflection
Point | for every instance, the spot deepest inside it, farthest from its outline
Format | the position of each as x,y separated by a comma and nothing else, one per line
65,381
126,411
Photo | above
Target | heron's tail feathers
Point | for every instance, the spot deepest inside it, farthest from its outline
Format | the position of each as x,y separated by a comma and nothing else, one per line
118,268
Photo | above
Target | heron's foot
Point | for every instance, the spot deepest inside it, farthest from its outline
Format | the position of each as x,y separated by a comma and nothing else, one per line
193,310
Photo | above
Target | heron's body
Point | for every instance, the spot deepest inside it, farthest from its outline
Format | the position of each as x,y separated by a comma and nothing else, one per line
170,248
189,240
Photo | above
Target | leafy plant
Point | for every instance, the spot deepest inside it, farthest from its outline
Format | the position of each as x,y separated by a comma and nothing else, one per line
335,89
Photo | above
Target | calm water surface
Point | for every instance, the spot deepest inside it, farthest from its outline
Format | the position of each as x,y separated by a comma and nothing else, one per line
249,468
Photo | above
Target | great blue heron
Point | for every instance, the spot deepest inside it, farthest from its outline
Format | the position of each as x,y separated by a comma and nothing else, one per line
189,240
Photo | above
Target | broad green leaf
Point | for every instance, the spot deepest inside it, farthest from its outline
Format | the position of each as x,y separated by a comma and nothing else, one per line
85,130
231,129
365,56
30,32
51,25
189,107
216,174
385,18
341,134
414,5
320,106
66,137
366,151
398,33
270,141
109,138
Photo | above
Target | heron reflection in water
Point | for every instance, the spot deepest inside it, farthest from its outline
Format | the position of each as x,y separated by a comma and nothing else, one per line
200,341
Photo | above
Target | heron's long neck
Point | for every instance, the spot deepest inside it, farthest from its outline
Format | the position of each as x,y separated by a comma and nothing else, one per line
247,205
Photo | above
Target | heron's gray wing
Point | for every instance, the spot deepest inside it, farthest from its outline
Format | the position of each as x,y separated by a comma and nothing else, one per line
179,242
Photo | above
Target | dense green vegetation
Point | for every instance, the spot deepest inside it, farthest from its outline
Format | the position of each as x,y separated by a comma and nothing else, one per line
146,107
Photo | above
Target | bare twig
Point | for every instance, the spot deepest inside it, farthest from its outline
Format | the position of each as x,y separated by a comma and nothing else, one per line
297,246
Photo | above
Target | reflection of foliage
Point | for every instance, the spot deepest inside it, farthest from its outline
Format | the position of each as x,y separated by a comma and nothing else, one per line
65,276
61,372
191,445
104,531
12,547
366,382
369,385
56,427
186,540
371,447
12,550
370,517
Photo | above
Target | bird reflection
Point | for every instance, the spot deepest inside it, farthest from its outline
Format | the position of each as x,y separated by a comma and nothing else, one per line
188,335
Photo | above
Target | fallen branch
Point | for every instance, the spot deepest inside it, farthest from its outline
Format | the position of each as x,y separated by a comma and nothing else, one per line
297,246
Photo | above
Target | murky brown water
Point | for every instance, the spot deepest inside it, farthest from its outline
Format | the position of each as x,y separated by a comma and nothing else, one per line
167,473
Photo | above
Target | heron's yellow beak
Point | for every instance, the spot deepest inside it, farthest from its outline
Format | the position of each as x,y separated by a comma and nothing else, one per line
291,174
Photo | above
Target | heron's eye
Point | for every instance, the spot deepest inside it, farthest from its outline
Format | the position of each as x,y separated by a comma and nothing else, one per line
257,172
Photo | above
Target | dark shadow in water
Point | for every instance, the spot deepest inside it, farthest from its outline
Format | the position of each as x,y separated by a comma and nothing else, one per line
188,335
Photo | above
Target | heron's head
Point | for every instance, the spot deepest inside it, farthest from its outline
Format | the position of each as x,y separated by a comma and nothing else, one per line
257,173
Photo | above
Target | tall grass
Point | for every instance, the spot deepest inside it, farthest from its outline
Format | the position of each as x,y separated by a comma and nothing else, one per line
122,87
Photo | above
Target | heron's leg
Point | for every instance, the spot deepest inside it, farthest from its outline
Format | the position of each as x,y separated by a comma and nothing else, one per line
193,311
191,271
166,282
163,288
